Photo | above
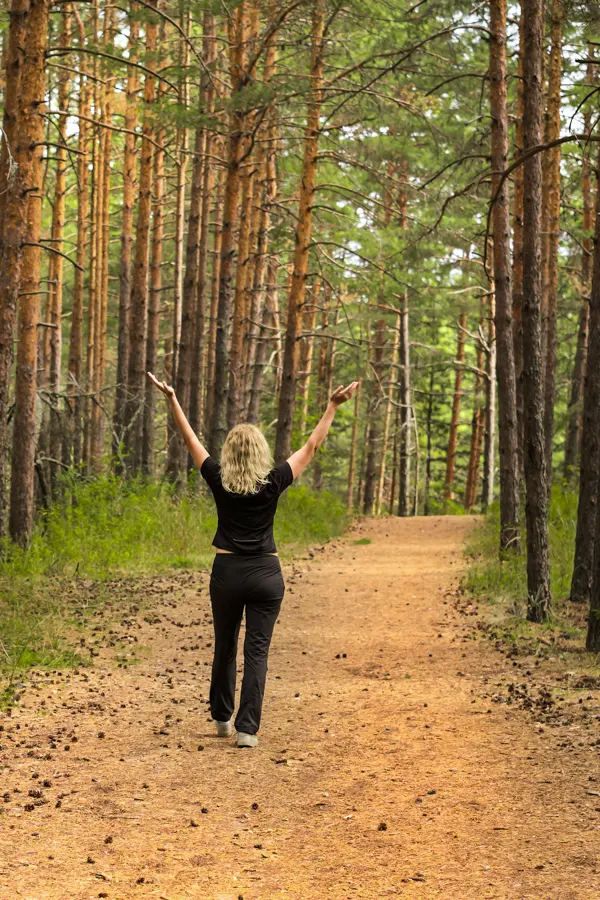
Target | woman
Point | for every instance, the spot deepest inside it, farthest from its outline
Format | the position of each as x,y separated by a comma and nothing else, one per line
246,571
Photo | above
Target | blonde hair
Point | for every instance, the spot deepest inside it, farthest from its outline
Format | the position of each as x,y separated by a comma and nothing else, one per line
245,460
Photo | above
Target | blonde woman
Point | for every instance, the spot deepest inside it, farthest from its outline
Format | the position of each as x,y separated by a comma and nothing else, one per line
246,572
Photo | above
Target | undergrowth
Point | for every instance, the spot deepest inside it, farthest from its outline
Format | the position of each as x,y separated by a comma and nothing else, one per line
104,529
502,585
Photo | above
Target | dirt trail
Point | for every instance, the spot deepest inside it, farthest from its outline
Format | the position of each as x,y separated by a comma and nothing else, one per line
383,769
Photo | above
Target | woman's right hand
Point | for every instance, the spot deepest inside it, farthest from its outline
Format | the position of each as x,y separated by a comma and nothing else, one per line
342,394
162,385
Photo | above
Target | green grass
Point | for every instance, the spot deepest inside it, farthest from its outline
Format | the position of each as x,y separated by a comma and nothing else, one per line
505,582
105,529
502,585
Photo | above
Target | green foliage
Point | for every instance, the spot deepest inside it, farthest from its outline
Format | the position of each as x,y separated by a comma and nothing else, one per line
107,528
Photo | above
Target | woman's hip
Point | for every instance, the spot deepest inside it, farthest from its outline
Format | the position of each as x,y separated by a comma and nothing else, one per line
250,578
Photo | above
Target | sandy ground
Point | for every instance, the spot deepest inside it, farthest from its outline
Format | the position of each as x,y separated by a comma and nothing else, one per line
384,770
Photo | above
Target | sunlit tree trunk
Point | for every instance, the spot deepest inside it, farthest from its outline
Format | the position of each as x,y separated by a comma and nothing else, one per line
105,171
285,411
214,300
456,401
506,373
536,508
154,295
490,406
517,262
17,171
392,381
585,540
573,435
374,419
307,341
405,436
477,427
586,568
139,294
551,194
238,27
197,386
29,137
353,449
128,195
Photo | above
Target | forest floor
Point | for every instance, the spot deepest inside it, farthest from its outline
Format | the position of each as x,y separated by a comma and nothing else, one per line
390,762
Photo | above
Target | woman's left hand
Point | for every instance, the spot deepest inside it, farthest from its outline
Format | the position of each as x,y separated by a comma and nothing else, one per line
162,385
342,394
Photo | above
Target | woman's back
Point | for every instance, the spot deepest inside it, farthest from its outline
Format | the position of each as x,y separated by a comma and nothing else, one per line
246,520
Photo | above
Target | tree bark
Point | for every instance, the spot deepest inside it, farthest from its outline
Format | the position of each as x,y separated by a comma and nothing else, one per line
285,410
505,346
581,583
238,29
373,419
477,428
136,380
457,397
552,206
129,185
28,143
405,436
517,268
353,447
536,507
573,436
153,327
16,180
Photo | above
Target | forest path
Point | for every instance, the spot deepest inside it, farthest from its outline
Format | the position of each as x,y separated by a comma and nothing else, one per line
383,769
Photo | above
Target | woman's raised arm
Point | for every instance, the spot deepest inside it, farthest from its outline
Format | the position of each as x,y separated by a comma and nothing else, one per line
198,451
300,459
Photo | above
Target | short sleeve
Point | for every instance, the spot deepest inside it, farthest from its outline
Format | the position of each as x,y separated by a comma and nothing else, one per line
211,472
281,477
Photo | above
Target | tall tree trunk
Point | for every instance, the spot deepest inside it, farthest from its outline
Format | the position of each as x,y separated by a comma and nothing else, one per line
307,342
456,401
177,452
239,323
269,327
199,352
490,406
477,427
17,176
573,436
136,380
56,265
29,138
285,411
552,206
583,562
129,185
153,327
388,411
536,507
517,271
106,136
429,421
405,436
214,300
238,26
505,356
353,448
373,419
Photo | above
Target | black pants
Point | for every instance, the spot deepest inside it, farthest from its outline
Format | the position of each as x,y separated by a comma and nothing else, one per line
256,583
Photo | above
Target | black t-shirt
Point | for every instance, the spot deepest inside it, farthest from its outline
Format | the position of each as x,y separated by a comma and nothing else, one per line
246,520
